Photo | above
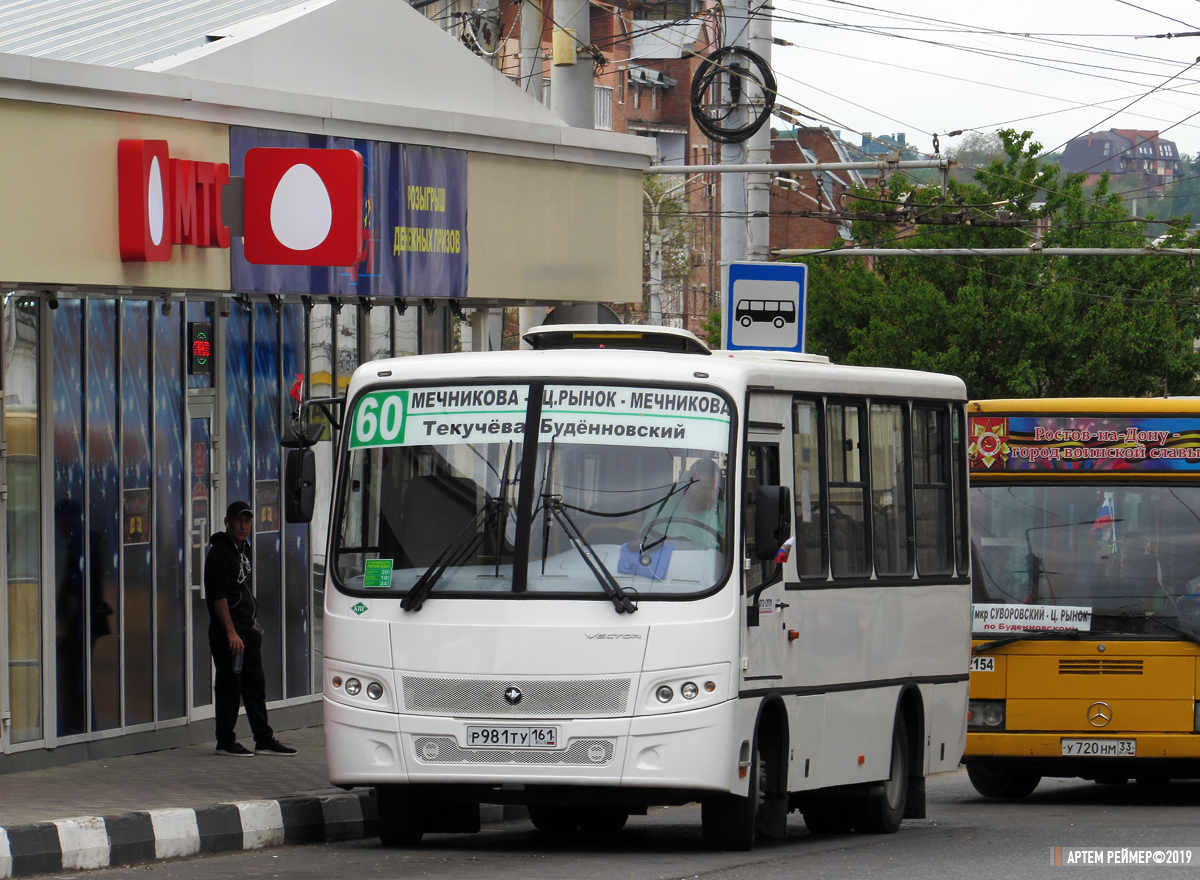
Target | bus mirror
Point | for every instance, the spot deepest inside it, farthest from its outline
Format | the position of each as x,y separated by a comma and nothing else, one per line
772,520
300,484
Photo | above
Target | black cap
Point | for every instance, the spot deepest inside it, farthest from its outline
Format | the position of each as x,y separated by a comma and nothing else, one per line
237,509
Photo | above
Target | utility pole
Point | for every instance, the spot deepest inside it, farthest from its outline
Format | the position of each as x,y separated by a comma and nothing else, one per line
572,88
734,235
532,22
758,183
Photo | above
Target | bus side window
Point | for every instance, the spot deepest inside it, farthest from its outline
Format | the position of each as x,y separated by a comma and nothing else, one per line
762,469
931,490
809,551
889,490
847,491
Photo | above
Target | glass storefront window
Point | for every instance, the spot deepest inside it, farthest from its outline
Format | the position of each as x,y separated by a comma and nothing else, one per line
408,331
379,323
69,529
25,675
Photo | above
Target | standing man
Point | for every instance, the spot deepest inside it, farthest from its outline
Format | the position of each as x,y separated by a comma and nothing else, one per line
235,638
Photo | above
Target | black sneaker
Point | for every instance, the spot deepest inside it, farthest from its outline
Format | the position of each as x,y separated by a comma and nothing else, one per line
237,750
272,747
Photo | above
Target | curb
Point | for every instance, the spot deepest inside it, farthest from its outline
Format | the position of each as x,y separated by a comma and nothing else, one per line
136,838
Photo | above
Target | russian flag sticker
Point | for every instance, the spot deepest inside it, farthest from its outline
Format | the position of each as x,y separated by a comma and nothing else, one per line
303,207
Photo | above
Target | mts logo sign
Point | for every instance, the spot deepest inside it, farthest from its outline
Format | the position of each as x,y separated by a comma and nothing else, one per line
301,207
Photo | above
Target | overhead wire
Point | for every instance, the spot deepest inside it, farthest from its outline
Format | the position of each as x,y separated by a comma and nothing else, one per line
1015,57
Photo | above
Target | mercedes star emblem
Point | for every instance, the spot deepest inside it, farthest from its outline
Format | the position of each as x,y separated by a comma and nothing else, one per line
513,695
1099,714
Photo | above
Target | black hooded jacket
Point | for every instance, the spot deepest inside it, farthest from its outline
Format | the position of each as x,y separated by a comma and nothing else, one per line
229,575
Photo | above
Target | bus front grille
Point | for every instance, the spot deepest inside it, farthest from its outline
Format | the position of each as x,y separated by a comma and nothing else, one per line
445,750
1075,666
466,696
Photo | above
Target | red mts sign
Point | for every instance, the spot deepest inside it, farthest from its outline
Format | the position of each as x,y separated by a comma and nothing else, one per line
301,207
163,201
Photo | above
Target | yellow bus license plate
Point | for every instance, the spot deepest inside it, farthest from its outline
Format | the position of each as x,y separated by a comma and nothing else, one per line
1099,748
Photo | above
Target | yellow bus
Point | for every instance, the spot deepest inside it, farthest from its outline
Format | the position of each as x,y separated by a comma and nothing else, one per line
1085,522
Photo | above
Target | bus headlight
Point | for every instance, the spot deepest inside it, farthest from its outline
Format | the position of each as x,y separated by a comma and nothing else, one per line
682,690
374,690
353,686
985,715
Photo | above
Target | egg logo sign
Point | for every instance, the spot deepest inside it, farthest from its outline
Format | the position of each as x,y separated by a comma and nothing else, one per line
300,207
303,207
142,196
163,201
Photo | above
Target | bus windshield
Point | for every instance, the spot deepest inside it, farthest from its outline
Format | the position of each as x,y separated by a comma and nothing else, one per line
1129,553
621,491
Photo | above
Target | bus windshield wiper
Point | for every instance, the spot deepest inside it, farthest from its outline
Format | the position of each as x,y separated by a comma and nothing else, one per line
1130,615
620,599
458,551
1034,635
495,515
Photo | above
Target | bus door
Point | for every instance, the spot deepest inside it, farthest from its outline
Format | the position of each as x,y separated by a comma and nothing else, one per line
768,443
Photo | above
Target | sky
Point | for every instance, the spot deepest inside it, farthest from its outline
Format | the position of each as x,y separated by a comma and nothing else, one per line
1058,68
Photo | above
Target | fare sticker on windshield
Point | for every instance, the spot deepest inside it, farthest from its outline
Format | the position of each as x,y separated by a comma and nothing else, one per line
1008,619
378,574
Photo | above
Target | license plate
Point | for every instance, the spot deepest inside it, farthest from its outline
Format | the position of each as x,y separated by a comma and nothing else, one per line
983,664
512,737
1099,748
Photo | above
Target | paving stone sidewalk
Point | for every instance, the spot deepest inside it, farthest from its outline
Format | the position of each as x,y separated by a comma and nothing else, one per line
171,803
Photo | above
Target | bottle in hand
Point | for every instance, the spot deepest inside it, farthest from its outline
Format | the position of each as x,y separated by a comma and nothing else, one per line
237,662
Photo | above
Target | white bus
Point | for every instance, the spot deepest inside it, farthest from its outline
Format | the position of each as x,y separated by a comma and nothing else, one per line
592,579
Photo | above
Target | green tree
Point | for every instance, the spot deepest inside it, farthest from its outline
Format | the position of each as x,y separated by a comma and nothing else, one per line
1013,326
974,150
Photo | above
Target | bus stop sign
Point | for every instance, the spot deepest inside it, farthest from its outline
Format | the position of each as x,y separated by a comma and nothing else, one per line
765,306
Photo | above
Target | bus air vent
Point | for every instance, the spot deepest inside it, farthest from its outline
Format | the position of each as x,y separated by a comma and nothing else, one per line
1079,666
474,696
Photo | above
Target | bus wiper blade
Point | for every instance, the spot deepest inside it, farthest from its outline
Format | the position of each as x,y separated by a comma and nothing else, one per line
1130,615
612,589
643,547
1022,637
455,553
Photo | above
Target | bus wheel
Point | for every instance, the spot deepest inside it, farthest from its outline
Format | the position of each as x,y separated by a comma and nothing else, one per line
399,816
999,783
746,322
881,813
727,820
778,322
554,819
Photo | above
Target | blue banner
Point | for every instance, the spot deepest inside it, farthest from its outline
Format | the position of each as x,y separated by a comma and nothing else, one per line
414,214
1120,444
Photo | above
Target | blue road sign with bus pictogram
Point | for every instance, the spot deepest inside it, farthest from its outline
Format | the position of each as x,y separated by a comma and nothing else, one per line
765,306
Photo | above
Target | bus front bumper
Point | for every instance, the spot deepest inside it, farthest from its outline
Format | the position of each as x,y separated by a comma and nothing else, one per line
1088,755
694,749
